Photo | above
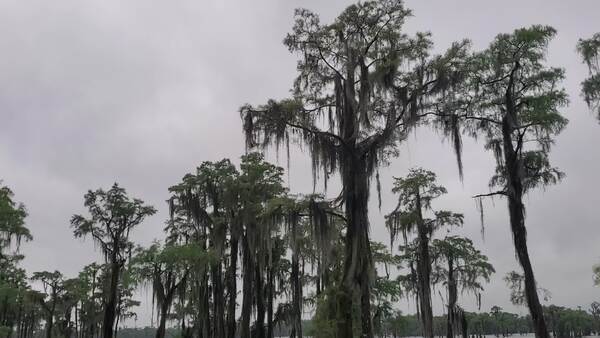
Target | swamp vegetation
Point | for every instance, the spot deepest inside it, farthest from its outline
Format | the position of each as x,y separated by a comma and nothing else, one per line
243,256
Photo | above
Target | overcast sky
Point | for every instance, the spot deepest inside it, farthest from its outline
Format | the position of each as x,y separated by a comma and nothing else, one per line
141,92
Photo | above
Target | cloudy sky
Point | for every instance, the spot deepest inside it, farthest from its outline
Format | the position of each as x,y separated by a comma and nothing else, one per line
140,92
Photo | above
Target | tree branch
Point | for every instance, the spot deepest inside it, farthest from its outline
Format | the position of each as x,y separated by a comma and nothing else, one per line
316,132
500,192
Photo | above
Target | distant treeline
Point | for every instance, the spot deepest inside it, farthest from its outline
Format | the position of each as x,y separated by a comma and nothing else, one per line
563,322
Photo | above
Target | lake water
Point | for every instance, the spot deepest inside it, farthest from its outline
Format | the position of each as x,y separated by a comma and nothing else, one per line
529,335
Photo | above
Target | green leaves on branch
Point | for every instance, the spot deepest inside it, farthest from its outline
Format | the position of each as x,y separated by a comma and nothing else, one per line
12,221
112,216
516,283
174,258
415,193
470,266
589,49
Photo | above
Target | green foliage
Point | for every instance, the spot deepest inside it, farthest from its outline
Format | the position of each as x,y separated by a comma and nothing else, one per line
415,193
590,87
12,220
112,216
470,266
515,282
510,85
328,314
15,292
171,257
565,322
388,78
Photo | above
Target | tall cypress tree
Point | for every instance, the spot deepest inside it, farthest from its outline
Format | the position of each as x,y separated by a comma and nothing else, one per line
513,99
113,215
362,85
414,214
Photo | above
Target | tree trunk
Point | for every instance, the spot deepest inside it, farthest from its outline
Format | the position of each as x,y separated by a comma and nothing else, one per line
232,288
296,297
117,318
218,301
452,295
19,320
76,321
49,327
344,317
247,285
358,260
50,323
205,325
260,302
270,296
514,194
424,274
162,326
111,305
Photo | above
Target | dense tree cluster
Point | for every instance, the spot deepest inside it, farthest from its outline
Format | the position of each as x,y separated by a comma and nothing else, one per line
242,256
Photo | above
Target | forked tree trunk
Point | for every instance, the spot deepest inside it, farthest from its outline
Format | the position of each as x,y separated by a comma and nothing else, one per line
514,194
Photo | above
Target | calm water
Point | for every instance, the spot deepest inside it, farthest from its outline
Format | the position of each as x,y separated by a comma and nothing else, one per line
529,335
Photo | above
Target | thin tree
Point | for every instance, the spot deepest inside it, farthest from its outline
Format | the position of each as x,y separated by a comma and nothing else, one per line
309,224
513,100
52,282
90,310
361,86
205,210
112,216
167,269
67,306
590,87
461,267
259,182
386,291
415,194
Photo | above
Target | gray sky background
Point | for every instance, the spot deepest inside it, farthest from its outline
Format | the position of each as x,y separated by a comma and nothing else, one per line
140,92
